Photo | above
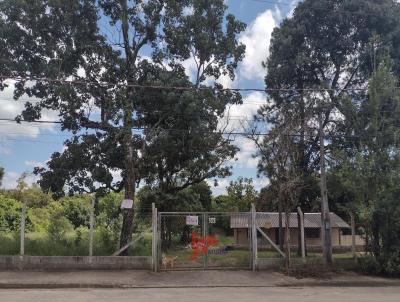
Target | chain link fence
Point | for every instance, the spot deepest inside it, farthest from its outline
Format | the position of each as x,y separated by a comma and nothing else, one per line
308,231
73,229
200,240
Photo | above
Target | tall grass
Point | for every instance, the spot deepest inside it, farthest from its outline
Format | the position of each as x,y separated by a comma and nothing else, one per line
75,243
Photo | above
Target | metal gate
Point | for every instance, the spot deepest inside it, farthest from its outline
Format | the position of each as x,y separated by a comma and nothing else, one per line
203,240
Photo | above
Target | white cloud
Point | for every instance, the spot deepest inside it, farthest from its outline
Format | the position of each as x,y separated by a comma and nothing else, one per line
32,163
237,119
11,177
191,71
237,116
257,38
11,108
220,188
116,174
260,183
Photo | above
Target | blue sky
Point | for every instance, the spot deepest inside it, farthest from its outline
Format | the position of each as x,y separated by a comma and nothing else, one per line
24,146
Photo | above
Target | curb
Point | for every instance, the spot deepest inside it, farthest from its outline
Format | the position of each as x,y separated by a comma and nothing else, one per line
130,286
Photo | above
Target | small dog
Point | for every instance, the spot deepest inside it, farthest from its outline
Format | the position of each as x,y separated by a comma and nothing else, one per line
168,260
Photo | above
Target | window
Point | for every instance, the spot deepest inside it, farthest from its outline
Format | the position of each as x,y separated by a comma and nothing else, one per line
312,233
346,231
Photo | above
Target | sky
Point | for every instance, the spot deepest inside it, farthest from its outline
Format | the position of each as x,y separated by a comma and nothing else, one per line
24,146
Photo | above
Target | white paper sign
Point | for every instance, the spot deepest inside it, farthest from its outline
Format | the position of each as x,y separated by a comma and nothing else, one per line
212,220
127,204
192,220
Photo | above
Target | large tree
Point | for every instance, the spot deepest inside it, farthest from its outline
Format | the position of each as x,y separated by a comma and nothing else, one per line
118,125
365,178
316,55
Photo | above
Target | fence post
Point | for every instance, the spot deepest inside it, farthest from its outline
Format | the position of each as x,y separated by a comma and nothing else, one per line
205,235
254,236
353,236
22,235
303,249
154,237
91,224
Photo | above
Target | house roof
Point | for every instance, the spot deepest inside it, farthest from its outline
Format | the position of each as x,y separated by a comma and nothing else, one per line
271,220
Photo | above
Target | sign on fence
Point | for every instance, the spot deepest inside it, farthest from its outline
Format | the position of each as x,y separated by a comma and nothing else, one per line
192,220
212,220
127,204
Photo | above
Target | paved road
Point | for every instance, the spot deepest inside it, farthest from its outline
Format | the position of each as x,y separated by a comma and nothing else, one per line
276,294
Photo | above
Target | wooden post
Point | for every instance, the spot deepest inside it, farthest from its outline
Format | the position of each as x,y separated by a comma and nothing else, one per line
91,225
154,237
325,216
22,235
353,236
254,236
302,240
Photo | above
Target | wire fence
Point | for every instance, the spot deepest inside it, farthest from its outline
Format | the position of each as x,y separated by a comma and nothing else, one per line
204,240
84,233
201,240
273,236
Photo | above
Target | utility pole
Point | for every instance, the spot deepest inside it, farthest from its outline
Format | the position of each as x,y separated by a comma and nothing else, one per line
325,217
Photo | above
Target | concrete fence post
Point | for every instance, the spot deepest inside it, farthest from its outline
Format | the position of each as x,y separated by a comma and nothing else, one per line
154,243
353,236
254,236
22,235
302,240
91,226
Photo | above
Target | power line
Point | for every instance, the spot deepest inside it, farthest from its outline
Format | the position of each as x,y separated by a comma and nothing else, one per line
181,88
37,121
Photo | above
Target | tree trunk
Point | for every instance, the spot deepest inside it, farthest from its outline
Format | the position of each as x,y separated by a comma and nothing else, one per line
130,180
298,235
127,214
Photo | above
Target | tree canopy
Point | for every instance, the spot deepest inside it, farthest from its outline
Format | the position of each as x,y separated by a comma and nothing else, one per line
95,82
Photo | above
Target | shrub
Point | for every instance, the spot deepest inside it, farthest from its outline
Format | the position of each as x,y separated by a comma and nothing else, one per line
369,265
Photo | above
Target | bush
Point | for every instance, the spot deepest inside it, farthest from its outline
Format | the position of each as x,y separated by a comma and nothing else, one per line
387,266
391,265
369,265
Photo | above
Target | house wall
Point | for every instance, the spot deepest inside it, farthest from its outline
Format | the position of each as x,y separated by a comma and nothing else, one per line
347,241
241,238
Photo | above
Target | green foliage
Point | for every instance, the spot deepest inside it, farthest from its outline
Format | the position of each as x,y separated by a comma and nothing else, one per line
10,214
365,180
180,144
1,175
77,209
332,45
189,199
59,225
241,194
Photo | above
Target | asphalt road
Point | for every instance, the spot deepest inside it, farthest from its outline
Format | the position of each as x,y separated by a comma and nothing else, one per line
265,294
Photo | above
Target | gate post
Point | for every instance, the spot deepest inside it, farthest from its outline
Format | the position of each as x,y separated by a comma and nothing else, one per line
253,237
205,234
154,243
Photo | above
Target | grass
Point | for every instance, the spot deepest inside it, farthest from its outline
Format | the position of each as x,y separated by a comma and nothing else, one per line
72,244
